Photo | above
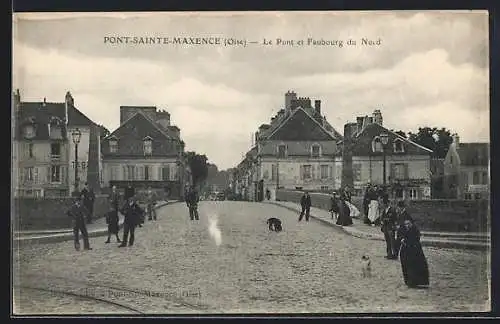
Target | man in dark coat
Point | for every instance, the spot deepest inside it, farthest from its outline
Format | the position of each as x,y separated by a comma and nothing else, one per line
366,204
305,203
129,192
88,201
112,218
389,222
78,213
192,203
132,216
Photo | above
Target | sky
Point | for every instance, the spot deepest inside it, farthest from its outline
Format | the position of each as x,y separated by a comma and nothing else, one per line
428,69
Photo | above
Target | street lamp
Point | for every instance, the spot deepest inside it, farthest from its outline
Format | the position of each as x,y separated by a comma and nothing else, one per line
76,135
384,138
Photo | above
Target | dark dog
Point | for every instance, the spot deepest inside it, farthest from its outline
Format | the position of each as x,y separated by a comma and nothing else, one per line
274,224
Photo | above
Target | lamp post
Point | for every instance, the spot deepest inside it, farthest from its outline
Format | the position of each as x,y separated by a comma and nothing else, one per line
384,138
76,136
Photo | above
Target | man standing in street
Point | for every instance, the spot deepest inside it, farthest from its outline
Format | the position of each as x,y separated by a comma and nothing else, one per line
151,201
132,214
78,213
88,201
129,192
389,224
305,203
192,203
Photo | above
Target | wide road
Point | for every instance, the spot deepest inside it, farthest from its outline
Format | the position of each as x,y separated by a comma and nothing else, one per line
176,266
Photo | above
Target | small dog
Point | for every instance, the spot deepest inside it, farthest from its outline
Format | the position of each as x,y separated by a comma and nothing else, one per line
274,224
366,267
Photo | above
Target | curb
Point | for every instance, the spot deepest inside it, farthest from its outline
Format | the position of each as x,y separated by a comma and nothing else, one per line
55,238
442,243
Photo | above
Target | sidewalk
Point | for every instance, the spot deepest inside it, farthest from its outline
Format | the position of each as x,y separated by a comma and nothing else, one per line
96,229
475,241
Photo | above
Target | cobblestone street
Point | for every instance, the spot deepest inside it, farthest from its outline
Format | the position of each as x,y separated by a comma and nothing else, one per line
175,266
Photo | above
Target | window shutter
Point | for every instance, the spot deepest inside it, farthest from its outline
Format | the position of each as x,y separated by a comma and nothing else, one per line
406,171
49,174
313,171
62,175
21,173
125,173
393,171
330,172
301,172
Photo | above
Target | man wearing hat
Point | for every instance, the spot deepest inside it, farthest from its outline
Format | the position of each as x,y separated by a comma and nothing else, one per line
78,213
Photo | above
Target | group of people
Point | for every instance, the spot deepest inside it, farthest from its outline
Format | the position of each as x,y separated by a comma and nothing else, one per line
133,213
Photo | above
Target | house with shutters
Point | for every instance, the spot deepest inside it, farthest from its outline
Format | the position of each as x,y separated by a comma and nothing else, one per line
145,151
466,170
43,157
361,154
295,150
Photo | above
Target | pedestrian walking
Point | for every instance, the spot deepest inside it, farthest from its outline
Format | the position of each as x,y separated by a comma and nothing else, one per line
389,226
132,214
268,194
413,261
366,204
192,203
334,206
112,217
373,207
305,203
88,201
79,213
344,218
151,201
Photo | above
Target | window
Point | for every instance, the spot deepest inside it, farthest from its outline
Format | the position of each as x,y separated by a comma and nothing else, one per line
356,171
325,188
399,193
55,173
377,145
113,146
315,150
399,171
306,172
146,172
148,146
476,177
55,132
114,173
413,193
265,175
30,150
29,174
324,172
29,131
398,146
486,179
468,196
165,173
55,150
281,151
477,195
130,172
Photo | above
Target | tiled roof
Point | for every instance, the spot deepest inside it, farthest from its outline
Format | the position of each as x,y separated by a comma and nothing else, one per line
473,154
41,113
362,142
131,134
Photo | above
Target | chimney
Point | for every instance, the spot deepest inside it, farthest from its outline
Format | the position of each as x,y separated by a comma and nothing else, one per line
377,117
68,102
163,118
366,121
289,96
44,101
317,107
359,123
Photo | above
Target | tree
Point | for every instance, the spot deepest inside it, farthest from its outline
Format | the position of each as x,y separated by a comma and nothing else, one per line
438,140
198,165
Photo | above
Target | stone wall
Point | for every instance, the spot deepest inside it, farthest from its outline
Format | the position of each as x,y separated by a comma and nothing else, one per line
49,213
430,215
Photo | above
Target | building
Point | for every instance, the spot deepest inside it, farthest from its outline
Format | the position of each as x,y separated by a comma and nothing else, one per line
145,151
466,169
296,150
44,151
361,157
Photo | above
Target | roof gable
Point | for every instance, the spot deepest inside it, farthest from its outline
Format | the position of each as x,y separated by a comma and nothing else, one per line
473,154
300,126
139,126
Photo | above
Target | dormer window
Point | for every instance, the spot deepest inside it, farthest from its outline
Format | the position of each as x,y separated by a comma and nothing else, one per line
55,128
377,146
398,146
29,131
315,151
148,145
113,145
281,151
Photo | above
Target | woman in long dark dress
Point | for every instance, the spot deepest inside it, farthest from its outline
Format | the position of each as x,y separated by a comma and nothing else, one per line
112,218
413,262
344,218
334,206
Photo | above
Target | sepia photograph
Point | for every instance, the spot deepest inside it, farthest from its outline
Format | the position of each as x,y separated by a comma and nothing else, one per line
273,162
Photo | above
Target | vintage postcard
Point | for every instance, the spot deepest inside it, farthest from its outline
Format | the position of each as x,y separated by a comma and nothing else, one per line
250,162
